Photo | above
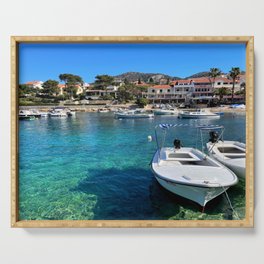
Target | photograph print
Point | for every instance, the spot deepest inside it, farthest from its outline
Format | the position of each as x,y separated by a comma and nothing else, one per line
131,131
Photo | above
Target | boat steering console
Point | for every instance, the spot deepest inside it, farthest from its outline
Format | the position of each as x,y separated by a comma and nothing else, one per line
213,136
177,144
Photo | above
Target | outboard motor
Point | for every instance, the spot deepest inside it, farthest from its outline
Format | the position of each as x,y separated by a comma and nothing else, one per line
213,136
177,144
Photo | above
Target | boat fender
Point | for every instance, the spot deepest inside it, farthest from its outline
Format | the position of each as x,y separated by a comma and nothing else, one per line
149,138
177,143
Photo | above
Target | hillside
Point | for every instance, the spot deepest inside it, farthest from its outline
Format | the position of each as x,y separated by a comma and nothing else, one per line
134,76
198,75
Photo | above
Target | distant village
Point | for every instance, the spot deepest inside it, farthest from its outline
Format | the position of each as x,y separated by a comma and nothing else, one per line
213,89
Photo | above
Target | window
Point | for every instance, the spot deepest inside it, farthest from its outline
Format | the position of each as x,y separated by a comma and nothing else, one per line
160,91
168,90
218,83
153,91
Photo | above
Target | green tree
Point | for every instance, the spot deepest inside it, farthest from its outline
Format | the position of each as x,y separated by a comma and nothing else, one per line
71,81
24,90
102,81
234,73
124,94
151,80
221,92
126,81
142,102
50,87
139,81
214,72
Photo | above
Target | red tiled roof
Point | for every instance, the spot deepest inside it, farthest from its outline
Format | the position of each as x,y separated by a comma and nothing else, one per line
200,80
182,81
142,84
33,82
161,86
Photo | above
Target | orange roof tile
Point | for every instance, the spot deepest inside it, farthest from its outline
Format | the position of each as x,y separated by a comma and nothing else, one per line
161,86
33,82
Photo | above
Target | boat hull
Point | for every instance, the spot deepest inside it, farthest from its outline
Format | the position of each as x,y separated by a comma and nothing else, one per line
199,116
164,112
134,116
199,195
240,171
191,176
236,164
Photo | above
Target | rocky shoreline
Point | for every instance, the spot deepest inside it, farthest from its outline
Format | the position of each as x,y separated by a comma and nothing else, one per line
95,108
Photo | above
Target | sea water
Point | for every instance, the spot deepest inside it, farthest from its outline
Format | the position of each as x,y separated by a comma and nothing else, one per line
94,166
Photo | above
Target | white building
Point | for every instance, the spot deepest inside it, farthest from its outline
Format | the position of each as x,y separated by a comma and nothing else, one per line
35,84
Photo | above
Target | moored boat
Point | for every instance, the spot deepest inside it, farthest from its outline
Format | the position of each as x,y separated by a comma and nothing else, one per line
26,115
103,110
165,112
134,114
232,154
188,172
198,114
58,112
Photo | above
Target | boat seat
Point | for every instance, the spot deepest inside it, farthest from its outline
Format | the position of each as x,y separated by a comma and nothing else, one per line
181,156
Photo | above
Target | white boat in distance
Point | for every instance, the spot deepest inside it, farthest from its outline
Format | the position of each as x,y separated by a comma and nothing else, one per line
26,115
190,173
103,110
58,112
198,114
230,153
165,111
138,113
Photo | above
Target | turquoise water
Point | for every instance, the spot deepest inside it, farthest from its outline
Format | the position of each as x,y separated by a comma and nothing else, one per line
93,166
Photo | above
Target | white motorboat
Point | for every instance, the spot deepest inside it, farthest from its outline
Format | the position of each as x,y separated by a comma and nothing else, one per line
190,173
103,110
26,115
198,114
44,114
71,113
165,111
134,114
230,153
58,112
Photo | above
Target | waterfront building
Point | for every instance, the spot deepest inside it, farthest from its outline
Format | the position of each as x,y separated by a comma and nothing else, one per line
35,84
98,94
224,82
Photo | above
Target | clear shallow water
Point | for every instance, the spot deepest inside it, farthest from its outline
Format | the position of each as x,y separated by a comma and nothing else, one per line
96,167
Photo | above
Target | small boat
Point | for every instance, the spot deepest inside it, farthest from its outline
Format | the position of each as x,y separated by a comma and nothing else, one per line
70,113
58,112
134,114
103,110
165,112
44,114
35,113
198,114
190,173
26,115
232,154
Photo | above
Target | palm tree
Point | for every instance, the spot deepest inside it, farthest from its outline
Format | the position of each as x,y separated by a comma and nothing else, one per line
234,73
221,92
214,72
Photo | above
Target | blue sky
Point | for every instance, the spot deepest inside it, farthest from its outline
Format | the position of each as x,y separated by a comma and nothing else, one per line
47,61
